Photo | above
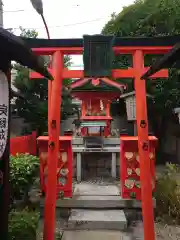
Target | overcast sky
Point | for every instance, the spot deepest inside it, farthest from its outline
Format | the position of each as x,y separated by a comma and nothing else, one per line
66,19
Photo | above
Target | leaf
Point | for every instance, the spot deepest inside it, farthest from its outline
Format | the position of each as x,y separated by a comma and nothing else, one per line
23,168
33,106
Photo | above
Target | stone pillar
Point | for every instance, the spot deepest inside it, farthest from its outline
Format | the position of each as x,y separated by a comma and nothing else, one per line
78,167
113,165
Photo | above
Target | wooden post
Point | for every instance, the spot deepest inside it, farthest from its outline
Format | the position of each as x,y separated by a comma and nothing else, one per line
53,147
5,84
49,92
143,145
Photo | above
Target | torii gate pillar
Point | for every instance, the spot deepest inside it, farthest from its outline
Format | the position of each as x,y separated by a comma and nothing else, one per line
143,145
54,102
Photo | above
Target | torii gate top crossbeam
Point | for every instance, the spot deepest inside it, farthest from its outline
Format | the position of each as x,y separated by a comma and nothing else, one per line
149,45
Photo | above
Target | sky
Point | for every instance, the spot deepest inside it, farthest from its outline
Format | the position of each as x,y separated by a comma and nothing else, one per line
65,19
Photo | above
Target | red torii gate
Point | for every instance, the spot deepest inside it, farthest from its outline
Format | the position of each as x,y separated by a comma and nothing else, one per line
54,102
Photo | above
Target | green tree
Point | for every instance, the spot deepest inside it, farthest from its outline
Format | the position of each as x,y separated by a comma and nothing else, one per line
151,18
32,98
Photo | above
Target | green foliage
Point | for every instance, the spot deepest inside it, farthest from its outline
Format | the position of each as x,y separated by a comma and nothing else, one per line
146,18
23,224
168,195
23,170
28,33
32,99
151,18
58,236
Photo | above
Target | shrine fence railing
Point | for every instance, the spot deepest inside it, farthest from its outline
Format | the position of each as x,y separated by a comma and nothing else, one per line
23,144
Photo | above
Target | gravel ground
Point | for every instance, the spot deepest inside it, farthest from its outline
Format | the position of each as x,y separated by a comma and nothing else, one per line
167,232
163,232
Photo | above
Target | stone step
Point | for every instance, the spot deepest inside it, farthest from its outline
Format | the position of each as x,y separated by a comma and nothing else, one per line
97,202
99,235
97,220
96,189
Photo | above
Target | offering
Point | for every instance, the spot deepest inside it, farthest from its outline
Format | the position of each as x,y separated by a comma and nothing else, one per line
129,171
62,181
151,155
137,171
129,156
64,171
138,184
129,183
64,157
137,157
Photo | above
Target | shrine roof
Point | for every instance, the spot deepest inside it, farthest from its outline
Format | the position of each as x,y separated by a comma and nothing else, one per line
13,48
133,93
102,87
119,41
169,60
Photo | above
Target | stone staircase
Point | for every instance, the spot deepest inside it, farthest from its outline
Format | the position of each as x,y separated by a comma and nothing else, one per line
96,206
87,212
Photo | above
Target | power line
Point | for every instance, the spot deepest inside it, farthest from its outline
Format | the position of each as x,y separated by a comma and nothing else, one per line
65,25
24,10
14,11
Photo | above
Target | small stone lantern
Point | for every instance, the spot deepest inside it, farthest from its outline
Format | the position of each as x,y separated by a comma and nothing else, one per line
130,100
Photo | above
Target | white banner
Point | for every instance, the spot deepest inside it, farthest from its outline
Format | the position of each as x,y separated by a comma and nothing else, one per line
4,111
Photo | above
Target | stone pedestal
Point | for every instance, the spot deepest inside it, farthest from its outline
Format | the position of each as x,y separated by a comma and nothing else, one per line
92,165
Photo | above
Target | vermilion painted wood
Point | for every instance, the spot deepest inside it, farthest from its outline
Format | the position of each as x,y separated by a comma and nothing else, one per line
141,113
79,83
145,176
65,146
49,103
96,118
135,138
95,98
116,73
109,82
54,130
95,95
61,138
117,50
130,144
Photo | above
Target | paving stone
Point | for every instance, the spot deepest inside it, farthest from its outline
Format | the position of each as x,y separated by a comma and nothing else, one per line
97,219
96,190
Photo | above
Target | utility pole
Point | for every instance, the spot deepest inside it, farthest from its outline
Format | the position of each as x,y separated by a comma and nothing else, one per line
1,13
